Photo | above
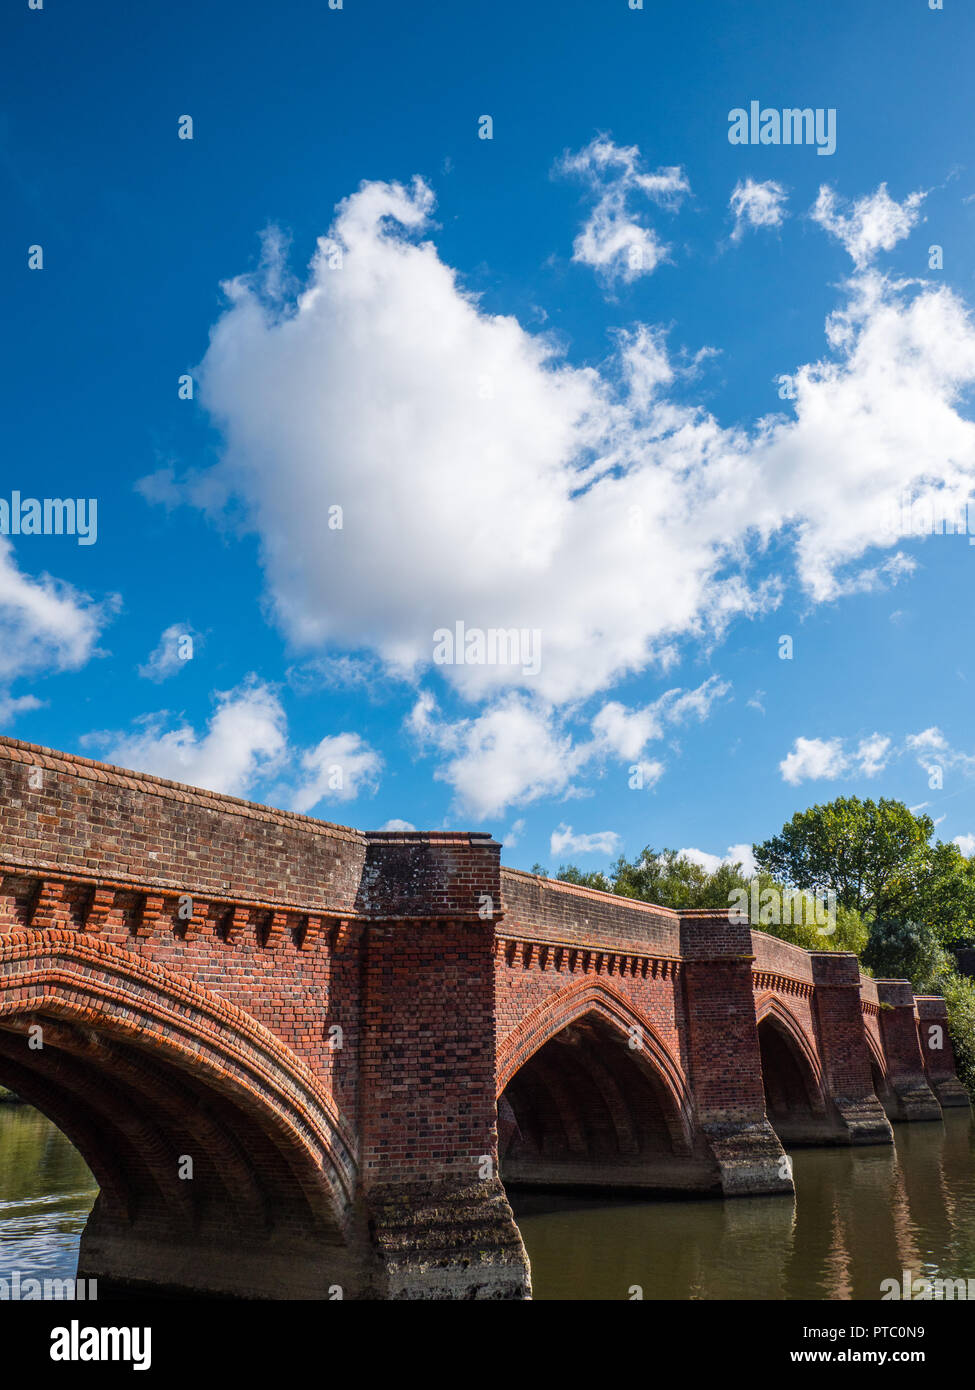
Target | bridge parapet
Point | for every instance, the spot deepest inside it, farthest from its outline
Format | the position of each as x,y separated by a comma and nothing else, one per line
545,908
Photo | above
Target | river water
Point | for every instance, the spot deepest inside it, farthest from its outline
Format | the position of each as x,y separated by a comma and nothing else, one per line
859,1216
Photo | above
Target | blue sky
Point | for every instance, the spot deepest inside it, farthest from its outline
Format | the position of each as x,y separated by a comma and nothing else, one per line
540,374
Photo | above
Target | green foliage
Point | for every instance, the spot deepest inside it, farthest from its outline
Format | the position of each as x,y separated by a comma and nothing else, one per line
667,879
959,995
900,950
874,854
592,879
664,878
945,896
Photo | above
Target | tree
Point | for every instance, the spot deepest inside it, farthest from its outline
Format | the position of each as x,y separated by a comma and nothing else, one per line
945,897
901,950
875,855
591,879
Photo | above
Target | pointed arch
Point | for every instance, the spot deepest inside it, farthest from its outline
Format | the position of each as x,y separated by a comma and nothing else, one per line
139,1064
770,1006
594,997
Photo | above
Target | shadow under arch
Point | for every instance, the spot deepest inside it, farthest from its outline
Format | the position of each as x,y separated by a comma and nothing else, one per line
223,1165
792,1075
591,1097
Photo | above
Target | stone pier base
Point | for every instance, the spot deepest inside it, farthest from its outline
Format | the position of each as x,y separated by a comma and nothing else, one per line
446,1243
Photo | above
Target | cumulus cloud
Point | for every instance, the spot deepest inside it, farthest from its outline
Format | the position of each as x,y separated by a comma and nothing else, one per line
872,754
511,837
590,506
245,740
815,758
566,841
519,750
245,745
812,759
933,750
614,240
966,843
756,205
47,627
339,768
514,752
736,854
626,732
874,223
175,647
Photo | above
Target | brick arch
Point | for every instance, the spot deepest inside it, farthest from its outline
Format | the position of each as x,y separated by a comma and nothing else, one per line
770,1006
140,1066
594,997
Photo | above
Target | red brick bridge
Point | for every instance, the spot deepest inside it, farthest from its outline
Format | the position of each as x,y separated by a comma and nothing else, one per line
303,1061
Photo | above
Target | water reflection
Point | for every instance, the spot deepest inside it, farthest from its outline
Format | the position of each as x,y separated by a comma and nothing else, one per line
46,1193
860,1216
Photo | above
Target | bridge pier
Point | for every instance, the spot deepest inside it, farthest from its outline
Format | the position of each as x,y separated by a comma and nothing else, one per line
843,1049
937,1052
439,1216
909,1097
724,1056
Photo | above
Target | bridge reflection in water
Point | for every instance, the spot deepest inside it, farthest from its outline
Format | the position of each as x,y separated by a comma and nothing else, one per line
860,1215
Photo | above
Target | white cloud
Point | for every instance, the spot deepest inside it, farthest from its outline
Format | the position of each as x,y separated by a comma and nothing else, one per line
621,494
519,750
12,705
742,854
512,753
928,740
245,740
812,759
966,843
614,240
873,754
591,506
737,854
756,205
566,841
626,732
395,824
932,749
168,656
874,223
649,771
511,837
339,768
47,626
